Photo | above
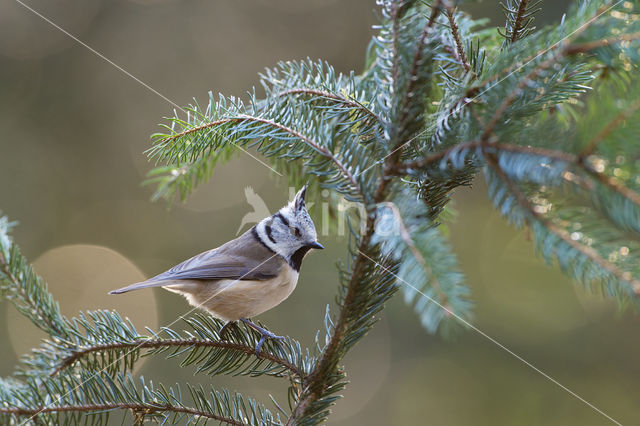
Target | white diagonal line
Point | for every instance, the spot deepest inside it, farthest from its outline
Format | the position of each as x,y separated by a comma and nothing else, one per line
138,347
491,86
494,341
128,74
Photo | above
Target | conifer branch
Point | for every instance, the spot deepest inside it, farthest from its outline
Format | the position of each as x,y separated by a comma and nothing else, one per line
461,55
243,117
328,95
427,160
568,50
395,25
513,95
350,133
576,48
587,251
406,237
610,127
565,44
144,409
571,159
321,149
196,129
519,21
82,352
20,284
612,183
318,380
41,318
412,78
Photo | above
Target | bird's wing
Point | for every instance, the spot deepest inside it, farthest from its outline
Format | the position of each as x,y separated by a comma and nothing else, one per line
241,259
212,266
207,267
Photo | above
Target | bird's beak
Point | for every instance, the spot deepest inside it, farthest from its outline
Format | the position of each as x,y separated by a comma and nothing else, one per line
315,245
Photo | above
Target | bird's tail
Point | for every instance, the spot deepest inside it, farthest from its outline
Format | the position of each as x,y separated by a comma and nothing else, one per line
138,286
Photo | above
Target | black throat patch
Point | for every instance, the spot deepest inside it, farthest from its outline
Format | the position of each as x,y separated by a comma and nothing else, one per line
296,258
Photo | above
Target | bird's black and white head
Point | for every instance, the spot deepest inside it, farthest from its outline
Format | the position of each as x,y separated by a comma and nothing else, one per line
290,232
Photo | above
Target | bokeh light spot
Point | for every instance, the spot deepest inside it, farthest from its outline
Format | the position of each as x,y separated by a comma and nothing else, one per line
79,277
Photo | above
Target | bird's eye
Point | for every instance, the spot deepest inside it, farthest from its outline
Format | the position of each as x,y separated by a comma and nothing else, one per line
297,232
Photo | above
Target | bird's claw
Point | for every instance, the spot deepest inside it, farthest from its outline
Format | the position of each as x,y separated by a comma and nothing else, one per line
264,334
225,328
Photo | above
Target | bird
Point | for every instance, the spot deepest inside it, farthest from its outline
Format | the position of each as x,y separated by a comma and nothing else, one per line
247,275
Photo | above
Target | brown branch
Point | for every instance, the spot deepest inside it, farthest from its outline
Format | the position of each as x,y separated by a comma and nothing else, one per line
161,343
587,251
436,156
462,56
569,49
613,184
513,95
613,124
417,58
572,159
522,9
329,95
202,127
589,46
326,366
315,145
88,408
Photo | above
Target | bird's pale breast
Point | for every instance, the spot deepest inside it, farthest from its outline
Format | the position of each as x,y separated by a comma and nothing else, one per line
231,300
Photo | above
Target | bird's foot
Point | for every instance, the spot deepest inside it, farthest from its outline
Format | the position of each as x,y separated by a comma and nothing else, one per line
225,328
264,334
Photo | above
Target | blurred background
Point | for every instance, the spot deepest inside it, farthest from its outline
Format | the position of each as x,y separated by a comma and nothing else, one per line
74,129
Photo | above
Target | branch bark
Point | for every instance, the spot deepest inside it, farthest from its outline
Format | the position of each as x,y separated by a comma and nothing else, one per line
88,408
522,8
161,343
